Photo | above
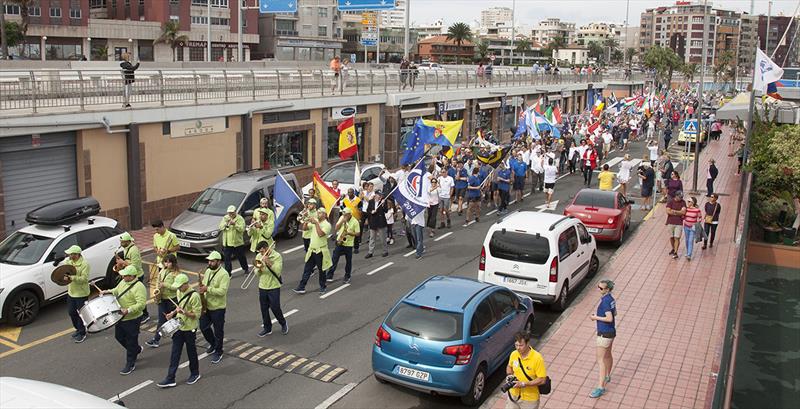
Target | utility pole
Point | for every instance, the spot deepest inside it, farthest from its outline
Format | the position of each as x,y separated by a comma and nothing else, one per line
699,111
406,39
769,17
378,43
239,47
513,30
208,4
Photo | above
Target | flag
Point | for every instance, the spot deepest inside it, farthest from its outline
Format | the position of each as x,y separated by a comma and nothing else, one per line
445,134
327,195
412,193
766,72
593,127
348,145
772,90
538,105
544,125
557,115
357,177
522,127
494,156
549,114
284,197
530,124
354,206
415,147
598,107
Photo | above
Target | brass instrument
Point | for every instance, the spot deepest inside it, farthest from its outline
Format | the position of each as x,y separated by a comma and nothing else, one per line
120,262
255,223
303,216
342,235
257,265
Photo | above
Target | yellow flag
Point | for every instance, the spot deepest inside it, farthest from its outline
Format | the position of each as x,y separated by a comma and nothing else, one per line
448,129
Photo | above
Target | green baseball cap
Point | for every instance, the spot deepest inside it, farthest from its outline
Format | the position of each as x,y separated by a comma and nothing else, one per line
126,237
73,250
231,209
180,280
347,210
214,256
128,271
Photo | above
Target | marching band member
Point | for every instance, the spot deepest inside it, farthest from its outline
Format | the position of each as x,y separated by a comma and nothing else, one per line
232,227
263,206
133,257
269,266
347,229
166,293
78,291
132,296
318,255
261,229
305,216
214,286
164,241
188,311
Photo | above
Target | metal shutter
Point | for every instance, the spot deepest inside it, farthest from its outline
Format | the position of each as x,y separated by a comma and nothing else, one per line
34,178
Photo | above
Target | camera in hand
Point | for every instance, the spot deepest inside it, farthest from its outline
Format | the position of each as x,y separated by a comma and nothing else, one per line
509,383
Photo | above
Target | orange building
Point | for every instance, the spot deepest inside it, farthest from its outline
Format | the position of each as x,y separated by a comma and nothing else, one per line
440,49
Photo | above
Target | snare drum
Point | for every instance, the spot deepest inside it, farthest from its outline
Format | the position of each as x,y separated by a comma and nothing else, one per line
100,313
170,327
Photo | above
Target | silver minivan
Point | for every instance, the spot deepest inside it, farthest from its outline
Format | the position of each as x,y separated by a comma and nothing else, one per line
197,227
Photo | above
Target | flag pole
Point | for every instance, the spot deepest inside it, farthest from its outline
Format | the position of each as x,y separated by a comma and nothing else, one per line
748,135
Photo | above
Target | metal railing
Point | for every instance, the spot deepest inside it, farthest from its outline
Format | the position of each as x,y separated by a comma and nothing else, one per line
24,92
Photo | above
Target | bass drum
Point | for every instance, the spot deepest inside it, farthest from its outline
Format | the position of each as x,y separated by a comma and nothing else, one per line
101,313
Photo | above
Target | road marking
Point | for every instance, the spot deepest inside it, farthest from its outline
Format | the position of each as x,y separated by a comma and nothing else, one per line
199,357
650,213
332,292
544,207
488,214
472,222
380,268
526,195
9,344
613,162
336,396
293,249
409,253
37,342
443,236
129,391
275,320
562,176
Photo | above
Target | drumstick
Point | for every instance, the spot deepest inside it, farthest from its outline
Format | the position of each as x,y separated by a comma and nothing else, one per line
98,288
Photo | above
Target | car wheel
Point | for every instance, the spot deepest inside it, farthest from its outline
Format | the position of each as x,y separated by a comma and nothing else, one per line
528,325
23,308
563,298
594,265
473,397
292,226
621,237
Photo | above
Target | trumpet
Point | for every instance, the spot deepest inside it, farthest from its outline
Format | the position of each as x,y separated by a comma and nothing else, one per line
342,235
303,216
257,265
256,223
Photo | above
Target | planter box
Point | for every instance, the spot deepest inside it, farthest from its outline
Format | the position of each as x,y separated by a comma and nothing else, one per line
773,254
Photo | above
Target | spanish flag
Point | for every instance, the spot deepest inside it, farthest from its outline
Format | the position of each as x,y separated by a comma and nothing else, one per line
327,196
348,145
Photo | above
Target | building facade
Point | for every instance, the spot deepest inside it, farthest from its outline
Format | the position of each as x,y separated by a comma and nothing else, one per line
105,29
313,33
429,30
440,49
784,54
748,41
599,33
494,16
548,30
572,55
396,17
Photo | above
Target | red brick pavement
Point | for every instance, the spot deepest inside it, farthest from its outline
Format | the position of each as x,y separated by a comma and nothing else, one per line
670,314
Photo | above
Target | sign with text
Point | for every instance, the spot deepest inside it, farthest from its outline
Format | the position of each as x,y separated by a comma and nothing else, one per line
196,127
277,6
342,112
359,5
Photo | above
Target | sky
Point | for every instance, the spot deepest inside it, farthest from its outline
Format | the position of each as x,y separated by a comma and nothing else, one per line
529,12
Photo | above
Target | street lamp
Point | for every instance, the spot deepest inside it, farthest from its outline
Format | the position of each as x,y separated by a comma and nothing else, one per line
42,46
89,49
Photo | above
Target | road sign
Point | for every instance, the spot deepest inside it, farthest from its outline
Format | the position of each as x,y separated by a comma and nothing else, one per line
369,43
690,126
358,5
277,6
352,58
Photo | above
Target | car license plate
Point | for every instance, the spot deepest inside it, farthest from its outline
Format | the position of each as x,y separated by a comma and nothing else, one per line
184,243
517,281
413,373
593,230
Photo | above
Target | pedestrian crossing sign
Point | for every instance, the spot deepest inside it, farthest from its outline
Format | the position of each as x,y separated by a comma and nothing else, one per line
690,126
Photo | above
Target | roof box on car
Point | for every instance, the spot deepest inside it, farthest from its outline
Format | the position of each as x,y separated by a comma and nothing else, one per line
64,211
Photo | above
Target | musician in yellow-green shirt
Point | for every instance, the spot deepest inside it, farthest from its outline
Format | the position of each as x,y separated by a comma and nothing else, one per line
78,291
269,266
318,255
232,229
132,297
214,285
133,258
347,229
188,312
167,293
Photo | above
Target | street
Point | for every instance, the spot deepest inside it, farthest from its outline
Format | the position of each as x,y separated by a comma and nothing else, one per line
325,356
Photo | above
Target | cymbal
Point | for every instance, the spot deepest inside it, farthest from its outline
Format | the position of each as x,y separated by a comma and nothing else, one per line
59,275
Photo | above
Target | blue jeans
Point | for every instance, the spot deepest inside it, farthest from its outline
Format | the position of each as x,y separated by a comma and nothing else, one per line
164,307
179,339
215,335
73,305
339,251
688,232
127,334
270,300
314,261
419,233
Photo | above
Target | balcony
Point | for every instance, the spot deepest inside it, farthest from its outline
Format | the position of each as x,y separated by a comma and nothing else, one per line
286,33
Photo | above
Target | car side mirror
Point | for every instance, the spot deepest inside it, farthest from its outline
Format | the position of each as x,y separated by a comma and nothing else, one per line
58,259
249,213
521,308
630,202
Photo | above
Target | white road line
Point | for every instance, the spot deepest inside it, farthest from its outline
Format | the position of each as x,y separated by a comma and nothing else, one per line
562,176
409,253
336,396
332,292
443,236
199,357
526,195
613,162
617,187
380,268
236,270
293,249
512,202
129,391
488,214
275,320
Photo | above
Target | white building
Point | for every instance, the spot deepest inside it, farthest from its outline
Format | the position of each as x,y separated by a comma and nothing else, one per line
572,55
430,30
547,30
600,32
494,16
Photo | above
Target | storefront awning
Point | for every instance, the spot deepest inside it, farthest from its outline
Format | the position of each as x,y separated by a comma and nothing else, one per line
416,113
488,105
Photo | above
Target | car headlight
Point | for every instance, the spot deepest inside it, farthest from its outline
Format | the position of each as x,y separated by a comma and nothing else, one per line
215,233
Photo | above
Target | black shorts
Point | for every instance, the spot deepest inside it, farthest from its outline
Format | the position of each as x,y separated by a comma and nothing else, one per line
549,185
519,183
474,199
459,192
647,191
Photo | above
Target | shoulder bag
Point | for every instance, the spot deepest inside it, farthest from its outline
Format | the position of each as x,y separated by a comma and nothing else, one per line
544,388
710,217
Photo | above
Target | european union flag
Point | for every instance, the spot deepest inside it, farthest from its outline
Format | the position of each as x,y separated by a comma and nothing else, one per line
415,144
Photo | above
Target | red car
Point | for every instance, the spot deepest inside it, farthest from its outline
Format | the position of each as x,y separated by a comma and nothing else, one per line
607,214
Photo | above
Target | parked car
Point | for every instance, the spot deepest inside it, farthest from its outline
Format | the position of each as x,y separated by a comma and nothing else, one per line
430,66
606,214
31,394
544,256
29,255
345,173
447,335
197,227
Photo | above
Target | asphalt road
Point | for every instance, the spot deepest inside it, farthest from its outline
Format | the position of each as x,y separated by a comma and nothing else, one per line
337,331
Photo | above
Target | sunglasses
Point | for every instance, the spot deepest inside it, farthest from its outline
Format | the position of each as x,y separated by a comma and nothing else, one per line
601,288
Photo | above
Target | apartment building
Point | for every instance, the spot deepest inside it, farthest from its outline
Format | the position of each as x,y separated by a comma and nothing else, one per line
786,54
429,30
313,33
547,30
105,29
599,32
748,41
395,17
495,16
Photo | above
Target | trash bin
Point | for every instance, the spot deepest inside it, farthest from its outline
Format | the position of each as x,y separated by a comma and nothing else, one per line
789,234
772,235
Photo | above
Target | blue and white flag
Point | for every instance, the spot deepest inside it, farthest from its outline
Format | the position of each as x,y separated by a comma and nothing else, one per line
412,193
284,197
766,72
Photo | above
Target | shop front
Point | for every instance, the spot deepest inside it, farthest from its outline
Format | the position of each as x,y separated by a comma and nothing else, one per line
487,114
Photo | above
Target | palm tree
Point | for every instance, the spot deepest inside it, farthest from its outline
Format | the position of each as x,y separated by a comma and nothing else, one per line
688,71
482,49
629,54
459,33
723,69
522,47
556,44
172,36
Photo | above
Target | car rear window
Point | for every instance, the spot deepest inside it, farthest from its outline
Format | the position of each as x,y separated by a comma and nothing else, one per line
521,247
426,323
590,198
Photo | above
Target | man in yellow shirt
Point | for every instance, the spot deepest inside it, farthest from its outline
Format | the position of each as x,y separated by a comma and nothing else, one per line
269,287
78,291
232,227
527,366
132,257
164,242
214,284
262,229
606,179
347,229
188,311
306,215
318,254
132,296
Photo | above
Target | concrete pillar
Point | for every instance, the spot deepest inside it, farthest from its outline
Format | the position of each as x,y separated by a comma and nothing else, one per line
324,140
390,145
134,176
247,141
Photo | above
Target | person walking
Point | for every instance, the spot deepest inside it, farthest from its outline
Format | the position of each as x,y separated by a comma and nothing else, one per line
446,184
589,159
676,208
503,187
481,72
606,179
376,220
473,197
711,219
519,168
526,366
667,134
269,267
77,291
624,174
690,219
232,227
188,309
673,185
336,68
647,178
418,230
666,173
347,229
129,77
711,175
605,317
652,146
433,206
318,255
550,176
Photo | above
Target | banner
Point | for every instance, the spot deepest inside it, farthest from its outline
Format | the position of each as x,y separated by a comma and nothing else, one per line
411,193
284,197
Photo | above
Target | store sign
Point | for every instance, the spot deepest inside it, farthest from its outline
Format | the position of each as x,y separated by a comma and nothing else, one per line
204,44
196,127
566,94
455,105
342,112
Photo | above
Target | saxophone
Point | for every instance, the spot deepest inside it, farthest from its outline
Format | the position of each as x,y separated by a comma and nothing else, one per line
342,235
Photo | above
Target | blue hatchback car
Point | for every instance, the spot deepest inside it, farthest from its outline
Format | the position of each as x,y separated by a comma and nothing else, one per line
448,334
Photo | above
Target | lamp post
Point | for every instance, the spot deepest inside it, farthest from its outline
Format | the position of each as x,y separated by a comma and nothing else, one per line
42,50
89,49
130,47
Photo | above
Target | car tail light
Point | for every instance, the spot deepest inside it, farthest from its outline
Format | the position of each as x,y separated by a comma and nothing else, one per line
554,270
463,353
382,336
482,260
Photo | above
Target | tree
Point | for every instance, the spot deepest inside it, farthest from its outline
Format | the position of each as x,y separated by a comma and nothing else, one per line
688,71
725,66
482,49
522,46
596,51
630,53
100,53
172,36
3,41
23,13
556,44
664,61
459,33
617,56
611,45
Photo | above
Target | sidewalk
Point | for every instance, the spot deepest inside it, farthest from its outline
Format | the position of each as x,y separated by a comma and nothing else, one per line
670,315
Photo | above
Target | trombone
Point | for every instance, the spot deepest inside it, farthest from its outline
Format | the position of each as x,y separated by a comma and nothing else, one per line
257,265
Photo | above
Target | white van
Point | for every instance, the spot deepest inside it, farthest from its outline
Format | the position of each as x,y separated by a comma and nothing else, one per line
539,254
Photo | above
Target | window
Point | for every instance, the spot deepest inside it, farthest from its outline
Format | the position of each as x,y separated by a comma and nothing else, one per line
286,149
322,31
215,202
333,141
75,14
55,12
252,201
521,247
34,11
89,238
165,128
174,18
12,9
174,2
567,243
323,12
584,234
63,245
482,319
214,3
504,304
425,323
197,54
145,51
272,118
